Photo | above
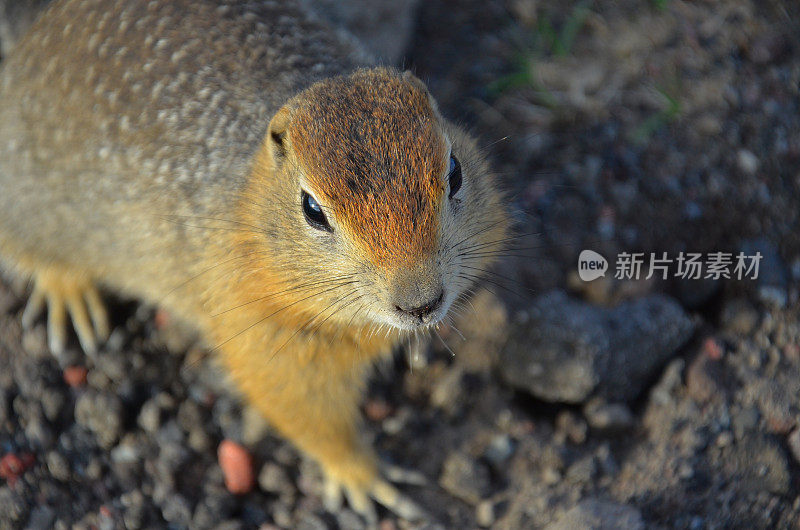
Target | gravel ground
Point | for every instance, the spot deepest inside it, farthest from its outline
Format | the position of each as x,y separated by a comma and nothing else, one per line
636,126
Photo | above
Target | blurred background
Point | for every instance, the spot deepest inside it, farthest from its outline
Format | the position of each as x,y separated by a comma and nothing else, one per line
629,126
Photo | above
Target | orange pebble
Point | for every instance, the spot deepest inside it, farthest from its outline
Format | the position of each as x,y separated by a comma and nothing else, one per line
237,467
712,349
377,410
13,466
75,376
161,318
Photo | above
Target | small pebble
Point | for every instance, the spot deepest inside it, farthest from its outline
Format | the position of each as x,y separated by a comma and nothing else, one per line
75,376
58,466
712,349
611,417
794,444
466,478
387,524
748,162
484,514
550,476
499,450
150,416
724,439
41,518
349,519
176,510
237,467
377,410
582,471
12,466
569,426
161,319
273,478
126,452
101,413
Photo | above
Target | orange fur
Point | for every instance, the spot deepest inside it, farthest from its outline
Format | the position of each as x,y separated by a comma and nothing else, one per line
376,121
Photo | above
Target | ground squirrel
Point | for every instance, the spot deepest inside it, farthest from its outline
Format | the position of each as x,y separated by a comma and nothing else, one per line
250,170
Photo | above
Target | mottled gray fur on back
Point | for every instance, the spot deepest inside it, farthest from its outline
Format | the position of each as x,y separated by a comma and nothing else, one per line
125,109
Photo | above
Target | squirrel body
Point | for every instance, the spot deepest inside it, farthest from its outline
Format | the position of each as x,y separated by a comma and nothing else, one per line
248,168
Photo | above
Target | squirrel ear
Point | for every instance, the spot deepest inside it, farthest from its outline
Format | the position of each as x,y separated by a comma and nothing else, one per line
277,135
409,76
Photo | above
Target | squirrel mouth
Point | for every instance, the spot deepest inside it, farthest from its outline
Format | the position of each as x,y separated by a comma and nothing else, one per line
427,314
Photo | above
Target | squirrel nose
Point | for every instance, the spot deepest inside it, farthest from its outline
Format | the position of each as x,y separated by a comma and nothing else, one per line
423,310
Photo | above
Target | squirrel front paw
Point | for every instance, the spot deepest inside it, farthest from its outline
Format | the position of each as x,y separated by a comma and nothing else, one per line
65,293
361,495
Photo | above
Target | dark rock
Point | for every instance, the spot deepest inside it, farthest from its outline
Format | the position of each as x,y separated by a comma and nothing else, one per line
500,449
570,427
190,416
309,521
126,452
216,505
100,413
773,274
177,510
744,421
41,518
794,444
273,479
52,403
706,379
39,433
569,350
485,514
739,317
230,525
757,463
776,404
608,417
465,478
58,466
695,293
595,514
582,471
3,405
350,520
13,508
151,415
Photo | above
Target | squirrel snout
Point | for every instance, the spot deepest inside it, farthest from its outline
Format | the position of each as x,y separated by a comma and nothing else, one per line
417,295
423,311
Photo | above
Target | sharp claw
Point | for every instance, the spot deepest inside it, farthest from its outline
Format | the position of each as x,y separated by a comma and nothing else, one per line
97,311
56,325
33,309
332,496
400,475
80,321
362,499
362,505
65,293
388,496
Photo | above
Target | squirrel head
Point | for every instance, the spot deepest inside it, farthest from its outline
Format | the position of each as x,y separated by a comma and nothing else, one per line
375,210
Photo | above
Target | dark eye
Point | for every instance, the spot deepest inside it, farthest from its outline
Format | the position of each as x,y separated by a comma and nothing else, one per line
454,176
313,212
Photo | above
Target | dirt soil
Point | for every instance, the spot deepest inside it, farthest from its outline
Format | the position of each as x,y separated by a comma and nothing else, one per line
653,126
